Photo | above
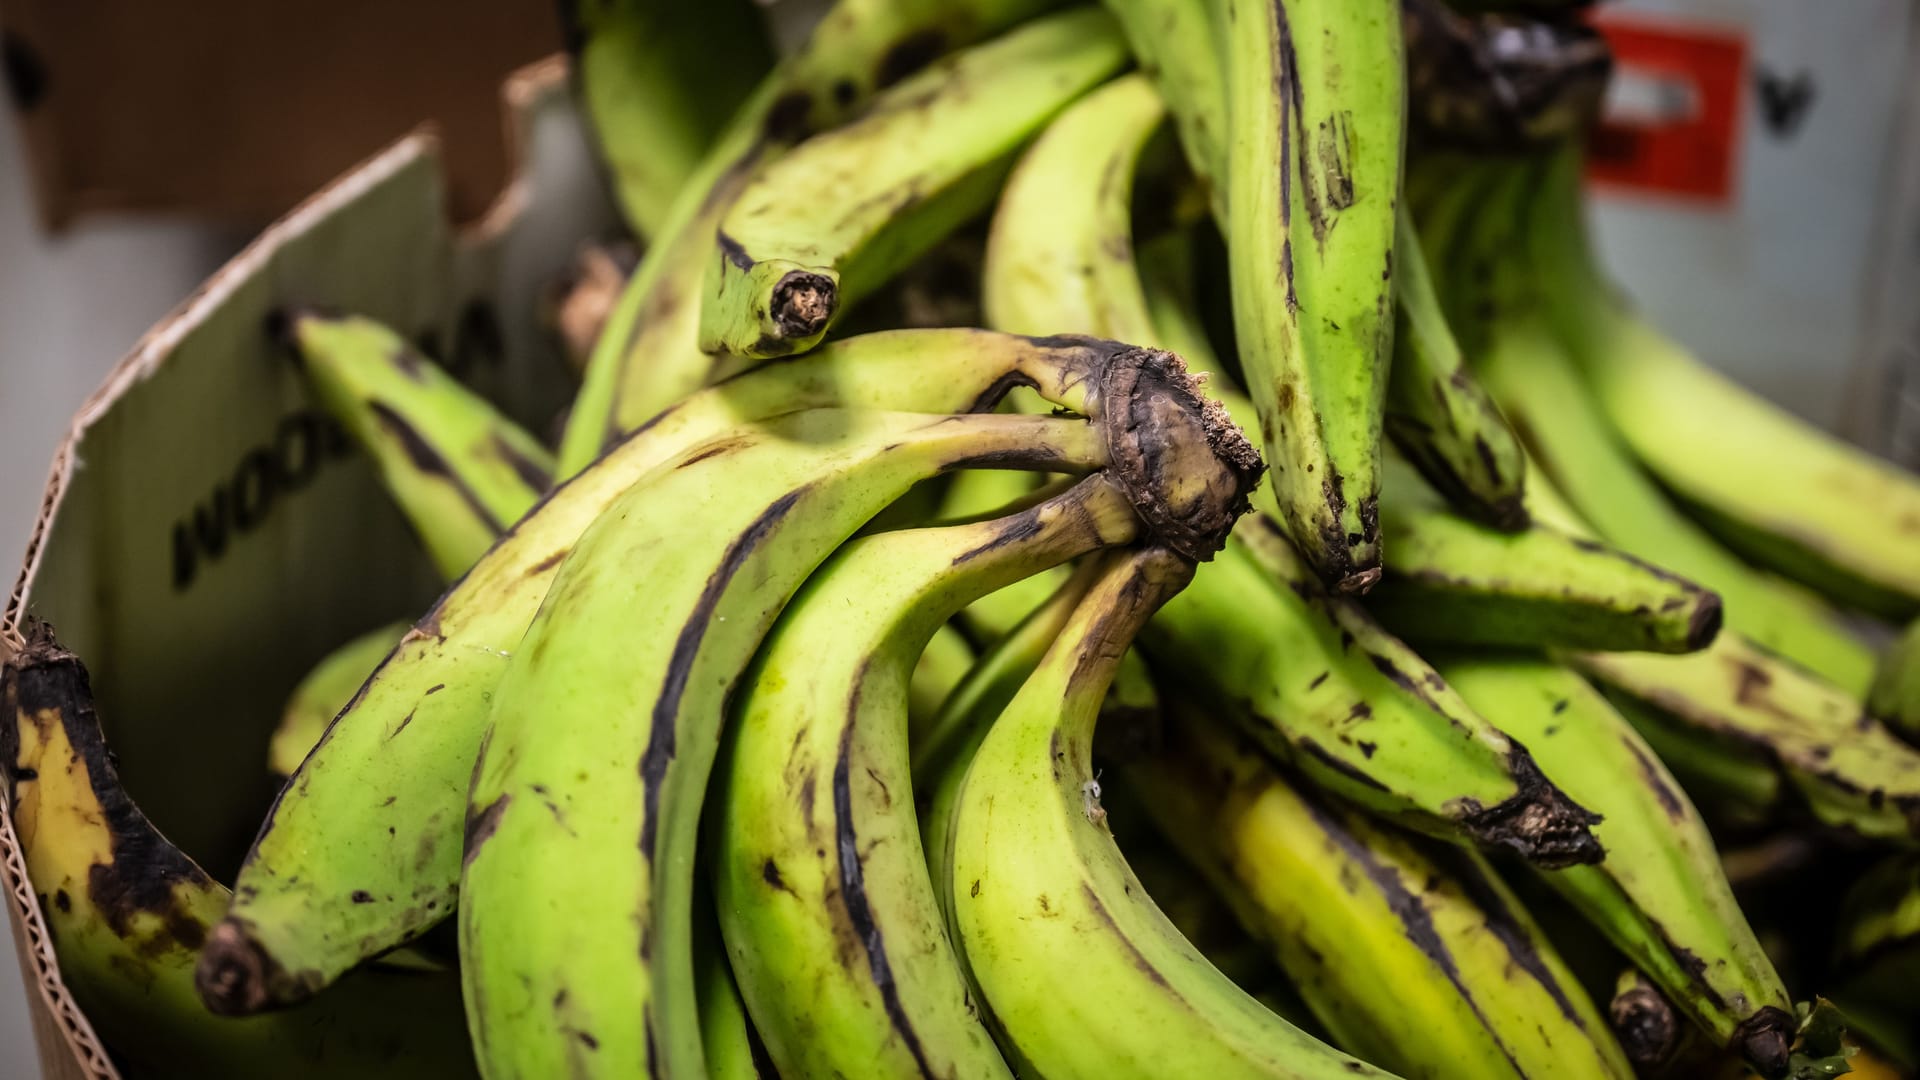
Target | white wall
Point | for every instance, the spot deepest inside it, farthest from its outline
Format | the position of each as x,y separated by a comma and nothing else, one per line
69,307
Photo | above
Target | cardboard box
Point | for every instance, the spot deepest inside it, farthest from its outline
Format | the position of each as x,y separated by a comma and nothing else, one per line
204,540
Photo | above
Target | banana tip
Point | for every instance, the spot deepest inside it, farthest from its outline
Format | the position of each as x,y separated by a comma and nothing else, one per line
1704,626
1646,1026
232,973
1764,1039
1539,821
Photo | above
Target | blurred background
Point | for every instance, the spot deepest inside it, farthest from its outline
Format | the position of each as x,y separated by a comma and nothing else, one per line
1759,173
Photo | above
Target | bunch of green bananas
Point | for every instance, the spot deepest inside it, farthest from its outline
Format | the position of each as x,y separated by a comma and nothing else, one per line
1395,778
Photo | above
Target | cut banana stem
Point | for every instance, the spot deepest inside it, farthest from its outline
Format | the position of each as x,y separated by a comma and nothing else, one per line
589,801
1457,581
1436,413
1046,906
1413,954
649,356
927,156
657,83
325,690
1849,769
1895,697
459,470
1318,683
1316,100
1527,368
1770,485
127,912
337,876
826,712
1660,895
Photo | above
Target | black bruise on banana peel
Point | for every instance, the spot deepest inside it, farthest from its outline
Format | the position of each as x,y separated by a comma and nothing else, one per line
1538,822
1502,923
1644,1022
529,472
1152,408
43,681
1416,922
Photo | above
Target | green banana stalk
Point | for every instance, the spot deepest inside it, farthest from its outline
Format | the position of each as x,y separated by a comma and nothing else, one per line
604,729
726,535
928,155
1175,42
1436,414
1848,768
1528,370
1046,906
657,82
1413,955
1895,695
649,357
1456,581
127,912
325,690
945,661
1660,895
458,470
301,915
1771,486
1319,684
1316,101
824,714
1876,955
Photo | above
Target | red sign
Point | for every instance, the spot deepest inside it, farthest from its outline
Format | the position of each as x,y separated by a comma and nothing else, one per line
1672,119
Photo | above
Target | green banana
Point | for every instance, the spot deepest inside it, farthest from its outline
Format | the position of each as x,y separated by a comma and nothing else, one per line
1413,955
927,156
1660,895
411,736
1768,484
1316,100
793,870
1847,767
1436,414
128,911
726,536
1876,953
945,661
1456,581
1060,253
1895,696
1529,372
321,695
649,357
1167,278
1318,683
1733,784
733,1048
1046,906
569,778
459,471
1175,41
657,82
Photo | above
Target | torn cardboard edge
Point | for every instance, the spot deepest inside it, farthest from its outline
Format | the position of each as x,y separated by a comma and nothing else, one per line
68,1045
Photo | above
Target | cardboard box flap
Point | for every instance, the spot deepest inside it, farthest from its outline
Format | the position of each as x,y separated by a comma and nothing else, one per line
207,535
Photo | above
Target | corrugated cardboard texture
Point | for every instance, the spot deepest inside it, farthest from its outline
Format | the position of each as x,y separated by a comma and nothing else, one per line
240,109
201,545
